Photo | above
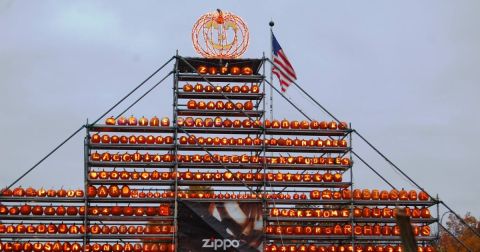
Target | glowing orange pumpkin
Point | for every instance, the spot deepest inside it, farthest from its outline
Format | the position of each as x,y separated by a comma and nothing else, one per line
202,69
247,70
132,121
255,89
191,104
235,70
110,121
187,88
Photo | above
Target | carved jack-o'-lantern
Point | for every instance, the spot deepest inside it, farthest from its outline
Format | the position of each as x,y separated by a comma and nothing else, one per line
187,88
202,69
227,89
247,70
235,70
248,105
110,121
227,123
212,70
191,104
165,122
219,105
208,122
198,87
217,122
210,105
122,121
255,89
423,196
275,124
143,121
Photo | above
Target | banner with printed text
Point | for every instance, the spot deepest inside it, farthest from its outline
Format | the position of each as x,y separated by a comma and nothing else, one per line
220,227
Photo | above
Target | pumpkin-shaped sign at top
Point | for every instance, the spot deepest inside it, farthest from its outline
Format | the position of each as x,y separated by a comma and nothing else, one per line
220,34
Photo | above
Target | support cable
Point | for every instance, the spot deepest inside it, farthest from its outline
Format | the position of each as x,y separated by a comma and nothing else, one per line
454,237
83,126
390,162
461,219
43,159
144,94
303,91
375,171
288,100
379,153
133,90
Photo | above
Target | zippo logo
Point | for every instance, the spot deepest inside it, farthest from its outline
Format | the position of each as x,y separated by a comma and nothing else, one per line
220,243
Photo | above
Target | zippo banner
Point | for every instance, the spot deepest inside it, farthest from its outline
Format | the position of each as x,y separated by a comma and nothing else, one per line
220,227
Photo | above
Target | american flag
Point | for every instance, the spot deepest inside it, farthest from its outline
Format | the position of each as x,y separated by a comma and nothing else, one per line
282,67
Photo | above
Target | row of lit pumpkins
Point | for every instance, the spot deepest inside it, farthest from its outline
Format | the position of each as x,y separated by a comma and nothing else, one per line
32,192
166,247
215,158
364,212
218,176
220,105
219,122
327,194
125,191
254,88
342,248
143,121
346,229
269,142
224,70
37,210
367,194
164,210
63,228
227,123
92,247
217,141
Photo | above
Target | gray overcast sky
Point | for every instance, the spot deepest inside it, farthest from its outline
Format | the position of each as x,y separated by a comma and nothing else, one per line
405,73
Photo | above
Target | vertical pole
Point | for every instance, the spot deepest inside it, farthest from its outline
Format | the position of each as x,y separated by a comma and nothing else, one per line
175,143
86,153
352,203
264,164
271,24
271,69
438,219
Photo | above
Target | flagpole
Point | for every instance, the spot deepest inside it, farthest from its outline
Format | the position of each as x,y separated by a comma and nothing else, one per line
271,69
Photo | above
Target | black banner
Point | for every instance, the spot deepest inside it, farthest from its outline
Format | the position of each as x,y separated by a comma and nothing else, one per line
220,227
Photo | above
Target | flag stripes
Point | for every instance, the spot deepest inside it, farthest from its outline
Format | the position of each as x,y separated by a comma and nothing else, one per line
282,67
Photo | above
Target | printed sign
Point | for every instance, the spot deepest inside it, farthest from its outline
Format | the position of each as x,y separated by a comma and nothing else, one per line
220,227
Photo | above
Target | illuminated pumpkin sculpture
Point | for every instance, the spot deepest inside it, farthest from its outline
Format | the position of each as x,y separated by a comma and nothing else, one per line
220,35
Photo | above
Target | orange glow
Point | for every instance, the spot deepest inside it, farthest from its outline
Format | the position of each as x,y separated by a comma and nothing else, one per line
220,35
